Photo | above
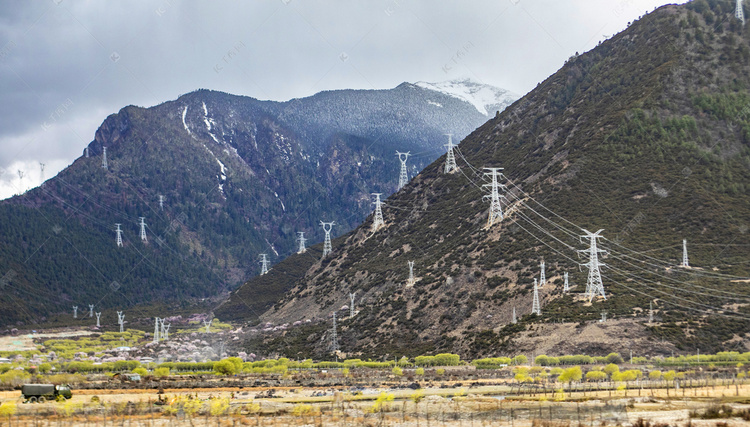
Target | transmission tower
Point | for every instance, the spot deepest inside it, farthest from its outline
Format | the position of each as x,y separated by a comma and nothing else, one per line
75,311
263,264
87,152
165,330
650,312
496,210
161,202
542,277
739,13
301,240
685,263
119,235
377,220
514,320
91,310
411,280
327,248
41,171
403,176
121,320
104,157
352,295
20,180
594,285
98,315
535,307
208,325
156,330
604,316
334,338
450,159
566,286
143,230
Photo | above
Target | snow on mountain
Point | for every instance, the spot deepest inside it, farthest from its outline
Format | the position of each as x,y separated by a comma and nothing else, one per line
485,98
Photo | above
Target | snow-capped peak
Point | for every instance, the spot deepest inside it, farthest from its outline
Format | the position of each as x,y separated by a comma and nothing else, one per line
483,97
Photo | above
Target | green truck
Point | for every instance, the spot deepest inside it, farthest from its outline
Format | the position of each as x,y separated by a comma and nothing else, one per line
40,392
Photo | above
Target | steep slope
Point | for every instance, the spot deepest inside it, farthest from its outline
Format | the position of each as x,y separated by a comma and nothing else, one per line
647,136
219,179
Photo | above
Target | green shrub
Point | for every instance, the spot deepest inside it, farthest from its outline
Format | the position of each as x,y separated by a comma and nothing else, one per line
225,367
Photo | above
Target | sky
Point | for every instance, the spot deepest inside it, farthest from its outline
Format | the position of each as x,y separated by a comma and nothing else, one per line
66,65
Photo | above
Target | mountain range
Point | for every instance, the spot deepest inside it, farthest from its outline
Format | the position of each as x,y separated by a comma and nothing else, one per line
217,180
646,138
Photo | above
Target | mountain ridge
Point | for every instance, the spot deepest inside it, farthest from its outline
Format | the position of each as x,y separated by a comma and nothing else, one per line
238,177
643,137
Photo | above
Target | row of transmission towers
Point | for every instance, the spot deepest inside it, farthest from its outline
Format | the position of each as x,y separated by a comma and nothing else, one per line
161,330
143,236
377,222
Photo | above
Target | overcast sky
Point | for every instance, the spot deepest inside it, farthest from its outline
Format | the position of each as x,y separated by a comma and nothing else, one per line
66,65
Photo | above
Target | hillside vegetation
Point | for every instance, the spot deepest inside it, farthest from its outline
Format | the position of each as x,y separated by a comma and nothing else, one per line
645,136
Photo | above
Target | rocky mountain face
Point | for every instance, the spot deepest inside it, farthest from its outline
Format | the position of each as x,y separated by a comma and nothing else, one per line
218,180
647,137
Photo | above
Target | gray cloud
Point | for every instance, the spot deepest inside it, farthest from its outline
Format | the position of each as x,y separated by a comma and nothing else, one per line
64,65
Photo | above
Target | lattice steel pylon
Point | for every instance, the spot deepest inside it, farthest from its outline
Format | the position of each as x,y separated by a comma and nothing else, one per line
535,306
263,264
650,312
91,310
327,247
377,219
75,311
301,241
496,210
566,285
334,337
739,13
513,319
403,176
542,276
161,202
98,315
119,235
450,158
143,230
121,321
104,158
411,280
352,295
685,262
156,330
594,285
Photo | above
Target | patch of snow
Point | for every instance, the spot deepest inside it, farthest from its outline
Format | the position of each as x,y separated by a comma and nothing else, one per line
481,96
223,170
205,118
184,113
282,203
437,104
272,248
